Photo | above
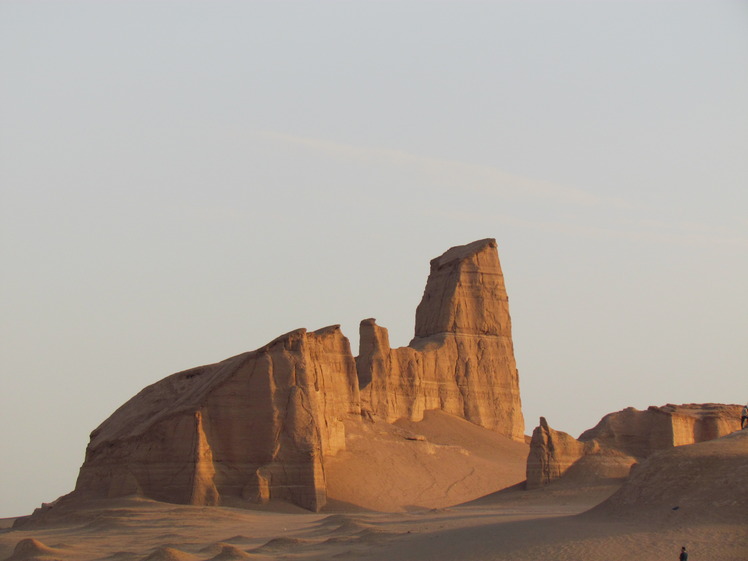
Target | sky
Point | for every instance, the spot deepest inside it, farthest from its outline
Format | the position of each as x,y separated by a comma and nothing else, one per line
181,182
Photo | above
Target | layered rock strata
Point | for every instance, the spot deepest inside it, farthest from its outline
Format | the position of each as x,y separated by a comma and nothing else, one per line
259,426
254,426
625,437
462,358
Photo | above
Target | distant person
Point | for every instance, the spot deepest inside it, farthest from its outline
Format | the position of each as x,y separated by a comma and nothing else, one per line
683,554
744,417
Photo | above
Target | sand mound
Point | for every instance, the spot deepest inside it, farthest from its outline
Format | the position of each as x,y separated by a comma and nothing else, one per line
120,556
450,462
282,544
705,480
351,527
341,540
238,539
341,524
169,554
230,552
335,520
31,548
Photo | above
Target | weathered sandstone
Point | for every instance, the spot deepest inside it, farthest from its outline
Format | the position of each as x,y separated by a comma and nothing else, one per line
639,433
259,426
254,426
461,360
622,438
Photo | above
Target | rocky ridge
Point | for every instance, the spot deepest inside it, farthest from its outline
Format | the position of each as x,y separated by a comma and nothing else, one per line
623,438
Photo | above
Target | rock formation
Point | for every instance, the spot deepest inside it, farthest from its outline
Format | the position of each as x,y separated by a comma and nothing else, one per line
259,426
253,426
625,437
461,360
639,433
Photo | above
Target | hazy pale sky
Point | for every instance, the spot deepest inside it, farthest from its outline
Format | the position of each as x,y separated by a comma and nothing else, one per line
181,182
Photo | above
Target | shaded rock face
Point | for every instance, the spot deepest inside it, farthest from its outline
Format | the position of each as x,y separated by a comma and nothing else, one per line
259,426
625,437
552,453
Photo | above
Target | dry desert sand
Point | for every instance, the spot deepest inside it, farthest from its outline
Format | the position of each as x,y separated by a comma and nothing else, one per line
566,520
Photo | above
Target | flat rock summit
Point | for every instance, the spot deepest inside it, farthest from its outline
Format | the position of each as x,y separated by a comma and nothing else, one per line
268,424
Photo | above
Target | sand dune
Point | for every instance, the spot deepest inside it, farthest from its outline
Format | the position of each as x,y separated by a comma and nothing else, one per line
440,461
31,548
705,481
229,553
169,554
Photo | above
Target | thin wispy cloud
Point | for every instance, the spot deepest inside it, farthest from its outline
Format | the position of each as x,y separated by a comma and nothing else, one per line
454,173
647,231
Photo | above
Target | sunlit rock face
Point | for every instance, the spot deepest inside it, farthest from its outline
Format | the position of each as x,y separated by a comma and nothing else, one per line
552,453
640,433
254,426
623,438
259,426
462,358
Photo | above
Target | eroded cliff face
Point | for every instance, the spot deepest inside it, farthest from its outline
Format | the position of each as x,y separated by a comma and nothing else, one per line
462,358
259,426
253,427
625,437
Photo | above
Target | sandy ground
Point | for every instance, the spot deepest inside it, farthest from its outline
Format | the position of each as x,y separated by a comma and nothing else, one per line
437,462
511,525
690,495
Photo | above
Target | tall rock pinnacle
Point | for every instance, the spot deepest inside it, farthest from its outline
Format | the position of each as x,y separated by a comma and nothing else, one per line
462,357
465,294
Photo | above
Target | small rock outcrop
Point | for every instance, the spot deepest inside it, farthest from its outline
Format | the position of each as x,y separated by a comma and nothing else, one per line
552,453
625,437
259,426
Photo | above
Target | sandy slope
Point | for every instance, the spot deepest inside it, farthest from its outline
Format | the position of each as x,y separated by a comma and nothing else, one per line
440,461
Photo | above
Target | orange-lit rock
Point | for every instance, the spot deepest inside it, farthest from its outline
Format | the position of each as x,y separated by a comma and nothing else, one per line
622,438
461,360
254,426
259,426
